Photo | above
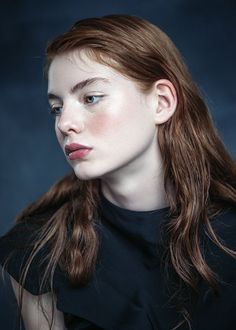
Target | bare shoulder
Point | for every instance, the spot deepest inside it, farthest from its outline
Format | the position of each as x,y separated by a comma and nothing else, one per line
37,311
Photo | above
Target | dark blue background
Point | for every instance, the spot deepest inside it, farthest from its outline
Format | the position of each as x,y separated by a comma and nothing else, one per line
31,160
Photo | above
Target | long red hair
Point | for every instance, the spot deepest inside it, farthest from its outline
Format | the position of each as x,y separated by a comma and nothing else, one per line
196,163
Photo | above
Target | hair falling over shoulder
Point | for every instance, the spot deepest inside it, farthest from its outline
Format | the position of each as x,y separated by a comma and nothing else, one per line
196,163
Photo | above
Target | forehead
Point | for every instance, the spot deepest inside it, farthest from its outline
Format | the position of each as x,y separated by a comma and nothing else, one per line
76,65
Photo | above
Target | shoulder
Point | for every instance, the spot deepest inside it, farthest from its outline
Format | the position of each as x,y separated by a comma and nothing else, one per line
217,310
18,238
224,225
221,262
16,247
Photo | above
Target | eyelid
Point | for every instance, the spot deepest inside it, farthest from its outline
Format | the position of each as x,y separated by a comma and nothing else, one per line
53,107
100,96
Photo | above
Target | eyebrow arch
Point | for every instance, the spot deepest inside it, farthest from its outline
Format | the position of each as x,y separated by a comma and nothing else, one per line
80,85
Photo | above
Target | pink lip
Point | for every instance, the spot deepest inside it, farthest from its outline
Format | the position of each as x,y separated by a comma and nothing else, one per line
76,151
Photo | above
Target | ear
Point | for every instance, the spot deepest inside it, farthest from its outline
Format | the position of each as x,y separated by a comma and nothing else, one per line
167,100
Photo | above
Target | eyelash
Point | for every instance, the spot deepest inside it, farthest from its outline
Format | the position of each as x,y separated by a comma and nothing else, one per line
53,110
98,96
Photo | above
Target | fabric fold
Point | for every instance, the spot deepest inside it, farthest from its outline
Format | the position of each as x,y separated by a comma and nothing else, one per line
101,304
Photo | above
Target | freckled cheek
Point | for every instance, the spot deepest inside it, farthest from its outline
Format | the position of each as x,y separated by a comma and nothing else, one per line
104,124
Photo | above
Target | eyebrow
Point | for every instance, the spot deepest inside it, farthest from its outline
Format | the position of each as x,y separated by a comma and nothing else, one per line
80,85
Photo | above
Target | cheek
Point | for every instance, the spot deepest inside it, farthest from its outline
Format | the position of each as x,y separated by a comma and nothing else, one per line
104,124
58,135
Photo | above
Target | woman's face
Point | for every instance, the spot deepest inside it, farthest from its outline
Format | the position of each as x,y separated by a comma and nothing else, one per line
99,108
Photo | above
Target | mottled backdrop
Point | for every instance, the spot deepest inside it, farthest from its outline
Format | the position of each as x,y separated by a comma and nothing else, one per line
204,31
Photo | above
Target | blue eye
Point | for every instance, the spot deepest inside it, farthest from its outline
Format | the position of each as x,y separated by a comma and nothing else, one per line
55,111
92,99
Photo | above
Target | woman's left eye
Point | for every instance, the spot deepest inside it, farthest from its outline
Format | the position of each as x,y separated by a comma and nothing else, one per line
92,99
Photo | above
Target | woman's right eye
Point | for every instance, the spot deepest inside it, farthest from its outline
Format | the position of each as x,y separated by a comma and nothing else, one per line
55,110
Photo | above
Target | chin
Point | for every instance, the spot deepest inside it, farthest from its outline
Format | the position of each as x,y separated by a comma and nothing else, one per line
85,175
90,171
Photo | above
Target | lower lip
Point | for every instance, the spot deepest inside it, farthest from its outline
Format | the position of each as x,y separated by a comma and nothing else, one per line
77,154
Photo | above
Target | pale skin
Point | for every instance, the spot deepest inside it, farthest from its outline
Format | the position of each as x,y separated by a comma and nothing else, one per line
120,123
33,316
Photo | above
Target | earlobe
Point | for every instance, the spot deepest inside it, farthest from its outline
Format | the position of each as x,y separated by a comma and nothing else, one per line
167,100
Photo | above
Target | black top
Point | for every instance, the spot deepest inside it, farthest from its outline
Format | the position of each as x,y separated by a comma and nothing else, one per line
129,289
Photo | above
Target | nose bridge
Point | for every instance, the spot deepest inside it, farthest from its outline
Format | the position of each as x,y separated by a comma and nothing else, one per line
71,118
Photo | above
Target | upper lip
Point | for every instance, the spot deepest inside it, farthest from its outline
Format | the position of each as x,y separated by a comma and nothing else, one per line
74,146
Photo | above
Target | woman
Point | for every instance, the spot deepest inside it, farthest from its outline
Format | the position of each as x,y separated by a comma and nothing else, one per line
142,234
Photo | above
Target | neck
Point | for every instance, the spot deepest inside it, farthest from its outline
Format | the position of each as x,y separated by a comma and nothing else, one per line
137,192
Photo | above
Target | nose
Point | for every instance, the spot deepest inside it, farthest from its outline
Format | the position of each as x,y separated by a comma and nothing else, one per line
70,120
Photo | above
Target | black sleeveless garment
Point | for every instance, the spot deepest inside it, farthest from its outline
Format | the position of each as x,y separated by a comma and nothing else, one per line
130,289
